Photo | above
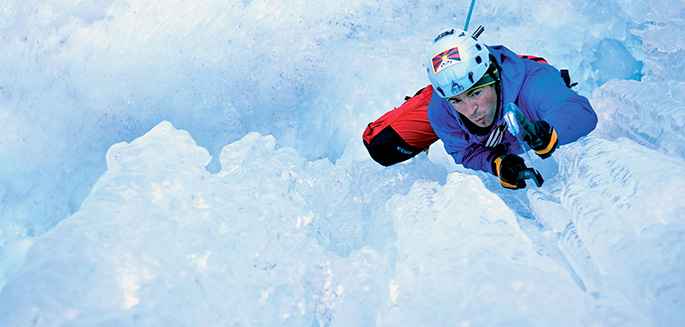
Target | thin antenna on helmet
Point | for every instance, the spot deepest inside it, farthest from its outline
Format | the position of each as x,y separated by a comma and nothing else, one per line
468,17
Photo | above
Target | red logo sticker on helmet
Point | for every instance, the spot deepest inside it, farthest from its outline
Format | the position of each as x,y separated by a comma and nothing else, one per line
445,58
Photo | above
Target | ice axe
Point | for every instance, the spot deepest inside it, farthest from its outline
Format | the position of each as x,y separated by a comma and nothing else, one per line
519,126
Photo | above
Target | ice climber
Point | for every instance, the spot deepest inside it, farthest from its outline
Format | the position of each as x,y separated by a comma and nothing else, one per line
473,82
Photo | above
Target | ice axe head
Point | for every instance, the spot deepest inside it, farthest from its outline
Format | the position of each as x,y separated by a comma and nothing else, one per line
533,174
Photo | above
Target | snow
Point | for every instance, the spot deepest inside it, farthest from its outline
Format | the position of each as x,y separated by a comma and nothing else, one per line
193,163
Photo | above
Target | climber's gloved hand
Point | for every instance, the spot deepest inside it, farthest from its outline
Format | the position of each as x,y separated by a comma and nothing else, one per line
544,139
510,169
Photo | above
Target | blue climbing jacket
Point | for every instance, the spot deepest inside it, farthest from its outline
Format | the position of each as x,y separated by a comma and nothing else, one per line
537,89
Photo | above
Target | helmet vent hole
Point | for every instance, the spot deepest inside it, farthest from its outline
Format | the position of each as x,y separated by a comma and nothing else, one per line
441,92
478,60
478,47
471,77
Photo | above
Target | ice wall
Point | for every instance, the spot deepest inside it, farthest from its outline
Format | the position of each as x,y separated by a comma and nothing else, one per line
162,241
275,239
76,79
79,77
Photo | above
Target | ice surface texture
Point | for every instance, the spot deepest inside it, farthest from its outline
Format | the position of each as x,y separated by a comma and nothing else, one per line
200,164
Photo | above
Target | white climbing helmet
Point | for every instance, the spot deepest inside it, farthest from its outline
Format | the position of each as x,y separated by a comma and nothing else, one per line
456,62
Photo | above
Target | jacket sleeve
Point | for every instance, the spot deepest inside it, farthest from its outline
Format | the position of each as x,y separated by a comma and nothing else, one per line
545,96
457,142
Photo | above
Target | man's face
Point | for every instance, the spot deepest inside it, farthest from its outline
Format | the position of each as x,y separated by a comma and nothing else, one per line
479,105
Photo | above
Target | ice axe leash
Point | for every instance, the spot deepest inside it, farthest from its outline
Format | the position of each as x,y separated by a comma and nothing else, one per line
519,126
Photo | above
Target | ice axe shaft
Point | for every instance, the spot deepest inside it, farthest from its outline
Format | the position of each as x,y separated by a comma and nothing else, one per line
519,126
517,123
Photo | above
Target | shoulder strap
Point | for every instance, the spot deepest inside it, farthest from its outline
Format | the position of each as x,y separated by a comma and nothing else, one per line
567,78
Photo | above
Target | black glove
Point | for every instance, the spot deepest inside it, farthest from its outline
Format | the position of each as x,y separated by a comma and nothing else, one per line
544,141
510,169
